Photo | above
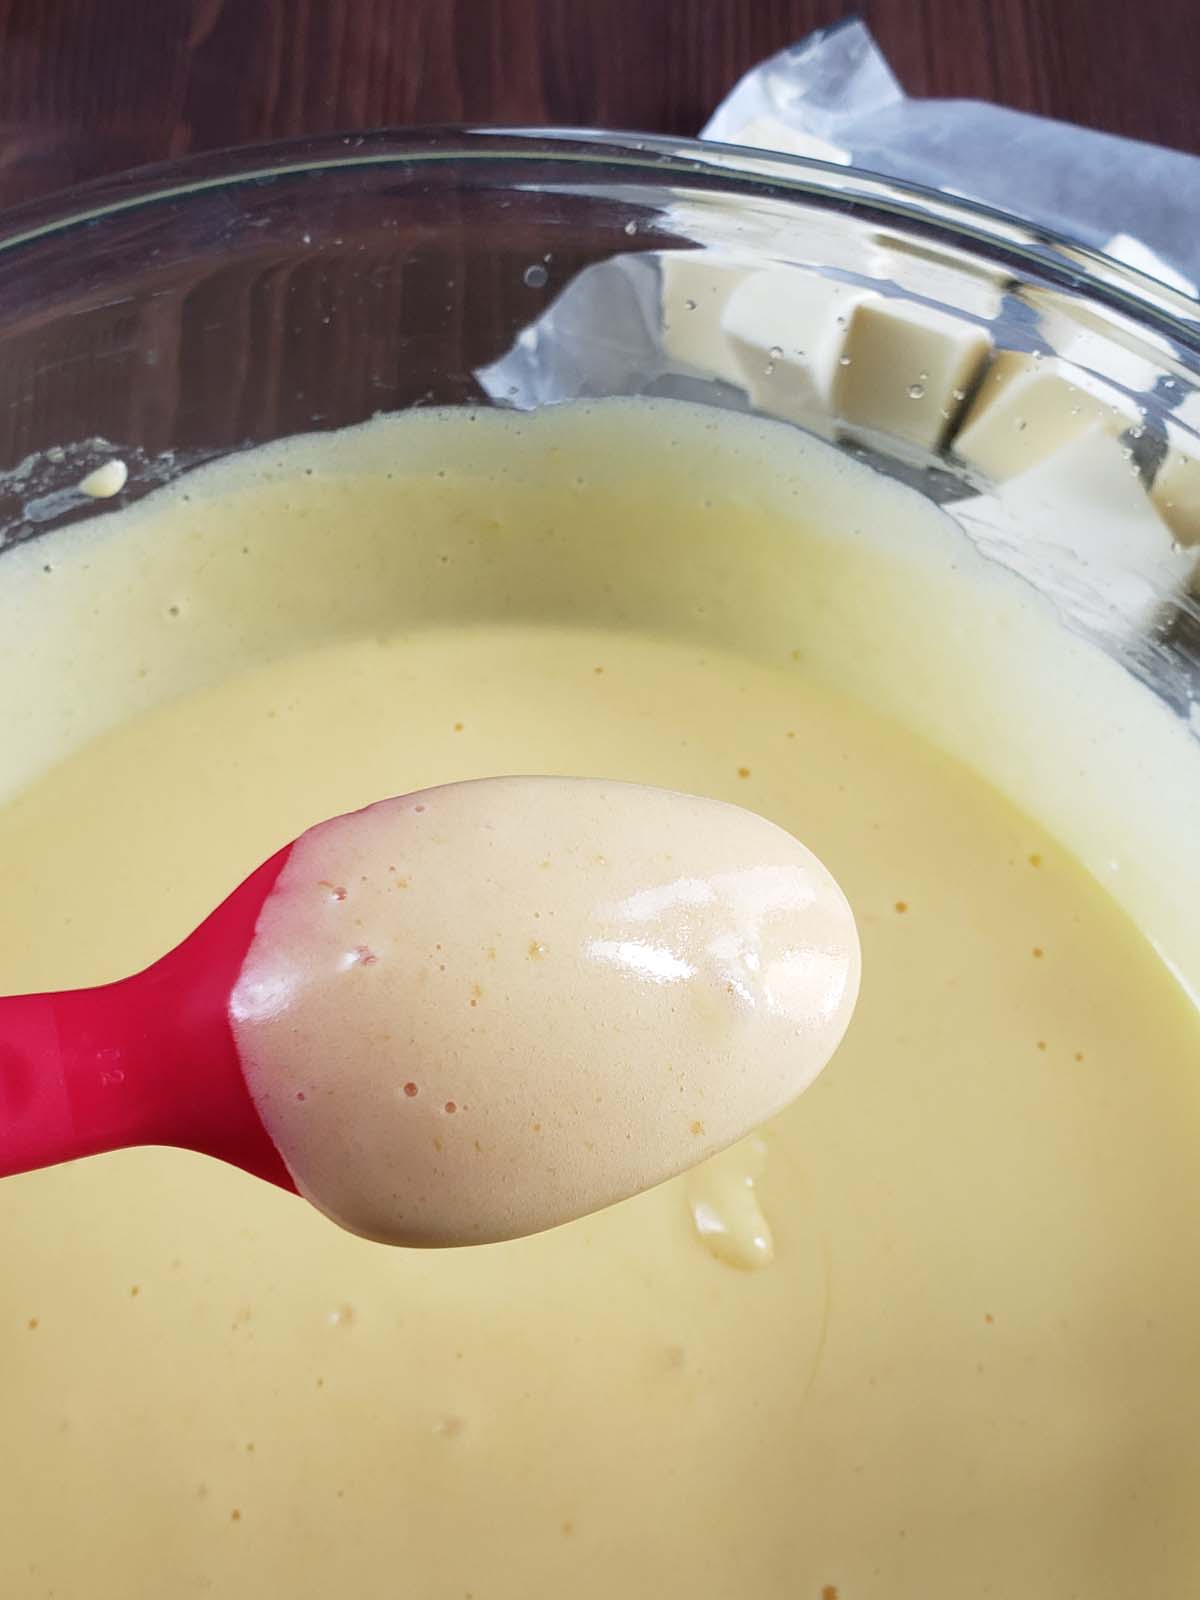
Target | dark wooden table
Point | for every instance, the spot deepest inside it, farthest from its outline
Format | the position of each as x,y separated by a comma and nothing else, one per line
92,86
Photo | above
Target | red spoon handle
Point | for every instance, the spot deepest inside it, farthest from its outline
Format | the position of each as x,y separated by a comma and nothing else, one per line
148,1060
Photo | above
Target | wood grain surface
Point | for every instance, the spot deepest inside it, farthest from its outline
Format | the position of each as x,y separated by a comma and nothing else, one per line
92,86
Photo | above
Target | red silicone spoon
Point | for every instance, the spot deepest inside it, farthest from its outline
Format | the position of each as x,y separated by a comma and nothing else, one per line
148,1060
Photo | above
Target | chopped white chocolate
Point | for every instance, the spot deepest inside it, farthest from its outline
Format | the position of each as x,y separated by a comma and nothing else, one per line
766,133
785,328
905,368
104,482
1081,525
1028,408
1112,348
1108,361
695,287
1176,487
953,277
743,233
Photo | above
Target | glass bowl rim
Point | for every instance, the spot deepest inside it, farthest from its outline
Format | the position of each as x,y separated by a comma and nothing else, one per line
1012,242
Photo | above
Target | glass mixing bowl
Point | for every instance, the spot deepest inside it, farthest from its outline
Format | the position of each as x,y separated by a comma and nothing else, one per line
1045,396
182,312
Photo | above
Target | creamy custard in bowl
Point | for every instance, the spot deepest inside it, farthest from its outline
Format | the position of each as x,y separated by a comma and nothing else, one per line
930,1333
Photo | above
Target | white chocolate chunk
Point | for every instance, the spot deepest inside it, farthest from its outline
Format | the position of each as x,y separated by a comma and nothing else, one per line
1106,360
1176,487
1029,408
105,481
952,277
905,368
1110,347
696,284
785,329
767,133
1082,527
